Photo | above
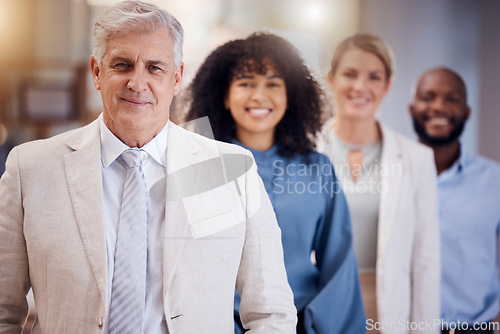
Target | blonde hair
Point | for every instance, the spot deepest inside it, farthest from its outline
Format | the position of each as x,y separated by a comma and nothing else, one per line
365,42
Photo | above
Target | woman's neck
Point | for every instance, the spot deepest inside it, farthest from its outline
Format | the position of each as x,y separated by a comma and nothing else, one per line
256,141
357,132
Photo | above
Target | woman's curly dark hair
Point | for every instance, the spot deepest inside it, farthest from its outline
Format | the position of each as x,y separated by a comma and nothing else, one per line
297,131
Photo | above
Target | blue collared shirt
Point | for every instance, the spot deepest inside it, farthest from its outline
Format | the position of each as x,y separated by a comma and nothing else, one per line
469,213
113,179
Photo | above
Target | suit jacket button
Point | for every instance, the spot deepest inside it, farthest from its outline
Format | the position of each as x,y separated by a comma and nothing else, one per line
99,322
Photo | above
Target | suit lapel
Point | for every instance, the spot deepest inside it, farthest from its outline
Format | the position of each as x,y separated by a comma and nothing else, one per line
392,161
84,177
181,153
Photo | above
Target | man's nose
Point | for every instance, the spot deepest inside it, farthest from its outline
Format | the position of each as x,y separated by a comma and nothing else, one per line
138,80
438,104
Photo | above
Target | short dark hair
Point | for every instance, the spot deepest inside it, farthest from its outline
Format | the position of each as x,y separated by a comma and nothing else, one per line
297,131
457,77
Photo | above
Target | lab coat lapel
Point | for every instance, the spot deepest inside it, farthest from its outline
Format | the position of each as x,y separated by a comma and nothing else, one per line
392,170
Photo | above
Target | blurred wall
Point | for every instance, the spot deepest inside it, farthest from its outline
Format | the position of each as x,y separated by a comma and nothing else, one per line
460,34
425,34
52,40
17,33
62,29
489,123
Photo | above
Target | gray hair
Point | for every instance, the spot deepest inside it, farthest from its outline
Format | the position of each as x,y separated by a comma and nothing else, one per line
135,16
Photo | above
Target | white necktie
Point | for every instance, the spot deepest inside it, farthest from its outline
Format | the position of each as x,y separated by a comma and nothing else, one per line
128,292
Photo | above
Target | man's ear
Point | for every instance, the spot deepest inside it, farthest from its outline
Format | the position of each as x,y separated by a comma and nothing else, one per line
467,112
411,109
178,78
94,68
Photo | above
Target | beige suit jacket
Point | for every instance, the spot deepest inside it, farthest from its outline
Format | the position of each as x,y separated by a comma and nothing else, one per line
220,233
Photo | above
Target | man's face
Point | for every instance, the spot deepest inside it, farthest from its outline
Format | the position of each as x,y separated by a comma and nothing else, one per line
439,110
137,80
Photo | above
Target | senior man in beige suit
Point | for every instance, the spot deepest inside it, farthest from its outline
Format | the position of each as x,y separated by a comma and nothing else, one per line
132,224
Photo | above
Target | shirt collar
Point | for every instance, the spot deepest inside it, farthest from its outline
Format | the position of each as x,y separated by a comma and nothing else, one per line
463,158
112,147
458,165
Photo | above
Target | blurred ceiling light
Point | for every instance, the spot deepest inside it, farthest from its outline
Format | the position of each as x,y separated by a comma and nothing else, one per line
313,12
316,14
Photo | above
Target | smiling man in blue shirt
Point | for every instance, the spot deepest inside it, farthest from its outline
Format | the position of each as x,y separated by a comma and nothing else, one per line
469,210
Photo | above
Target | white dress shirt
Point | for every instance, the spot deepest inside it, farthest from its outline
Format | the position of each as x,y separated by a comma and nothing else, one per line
113,180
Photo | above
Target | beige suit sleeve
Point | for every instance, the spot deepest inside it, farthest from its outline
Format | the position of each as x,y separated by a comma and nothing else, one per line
14,278
266,298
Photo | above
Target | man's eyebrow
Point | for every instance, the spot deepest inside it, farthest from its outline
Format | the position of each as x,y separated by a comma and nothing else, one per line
457,92
426,91
157,62
128,60
120,59
433,91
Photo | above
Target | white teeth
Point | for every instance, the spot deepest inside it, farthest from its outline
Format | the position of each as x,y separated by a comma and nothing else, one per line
439,121
259,111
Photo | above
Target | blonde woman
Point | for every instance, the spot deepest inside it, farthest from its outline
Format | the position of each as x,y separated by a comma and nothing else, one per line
390,185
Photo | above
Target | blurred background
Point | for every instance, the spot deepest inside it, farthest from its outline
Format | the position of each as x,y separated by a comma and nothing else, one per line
46,88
